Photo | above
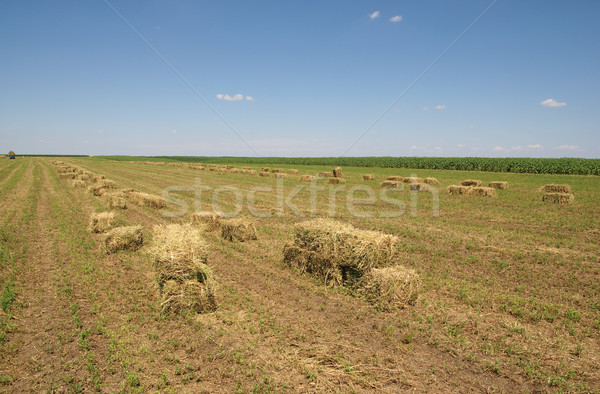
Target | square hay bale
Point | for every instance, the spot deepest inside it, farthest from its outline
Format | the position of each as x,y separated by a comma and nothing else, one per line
77,183
337,172
147,200
558,198
459,190
431,181
395,178
419,187
264,173
230,167
238,230
498,185
368,177
337,181
552,188
101,222
276,170
482,191
292,171
323,174
307,178
264,169
392,185
390,288
124,238
346,245
470,182
211,220
235,170
280,175
189,296
179,253
97,190
413,179
213,169
308,261
117,200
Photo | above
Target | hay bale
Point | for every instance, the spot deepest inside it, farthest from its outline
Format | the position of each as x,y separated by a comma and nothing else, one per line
235,171
187,296
413,179
98,178
264,173
252,172
238,230
124,238
276,170
337,181
280,175
431,181
101,222
229,167
323,174
481,191
368,177
498,185
292,171
246,168
67,175
345,245
459,190
145,199
390,288
211,220
308,261
307,178
213,169
77,183
337,172
97,190
470,182
117,200
558,198
552,188
391,185
419,187
395,178
264,169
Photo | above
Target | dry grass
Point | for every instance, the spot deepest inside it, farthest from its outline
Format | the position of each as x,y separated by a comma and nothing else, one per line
552,188
390,288
368,177
498,185
146,200
337,172
392,185
558,198
211,220
431,181
124,238
101,222
395,178
470,182
238,230
337,181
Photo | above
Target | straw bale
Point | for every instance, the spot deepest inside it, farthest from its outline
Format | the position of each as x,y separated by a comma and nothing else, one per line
482,191
391,185
307,178
117,200
419,187
395,178
470,182
431,181
101,222
277,170
189,296
498,185
390,288
552,188
292,171
368,177
280,175
264,173
337,181
337,172
558,198
323,174
124,238
413,179
238,230
145,199
459,190
211,220
264,169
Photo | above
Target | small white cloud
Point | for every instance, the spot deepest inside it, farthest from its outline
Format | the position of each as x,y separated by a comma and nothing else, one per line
396,18
567,147
438,149
461,146
425,108
535,146
397,110
471,126
552,103
517,148
374,15
498,149
100,131
440,107
249,98
173,131
414,147
226,97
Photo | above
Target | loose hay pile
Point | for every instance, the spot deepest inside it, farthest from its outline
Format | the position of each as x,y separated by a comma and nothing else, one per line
556,188
238,230
368,177
558,198
337,172
337,181
211,220
392,185
366,261
101,187
101,222
470,182
431,181
145,199
124,238
186,282
498,185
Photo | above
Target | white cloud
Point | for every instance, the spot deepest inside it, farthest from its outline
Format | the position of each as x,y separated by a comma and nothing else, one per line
517,148
397,110
438,149
413,147
440,107
374,15
471,126
173,131
461,146
552,103
236,97
498,149
425,108
100,131
250,98
567,147
535,146
396,18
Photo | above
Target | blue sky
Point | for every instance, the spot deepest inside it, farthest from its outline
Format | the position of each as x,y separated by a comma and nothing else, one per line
301,78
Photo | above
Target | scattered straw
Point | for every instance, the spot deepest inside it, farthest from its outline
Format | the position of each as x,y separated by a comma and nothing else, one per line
558,198
238,230
124,238
117,200
77,183
101,222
